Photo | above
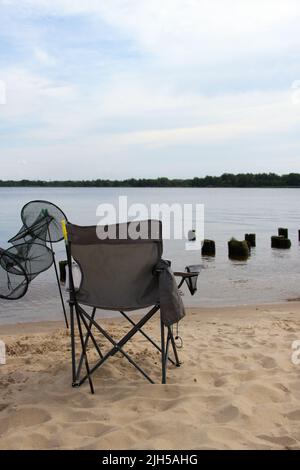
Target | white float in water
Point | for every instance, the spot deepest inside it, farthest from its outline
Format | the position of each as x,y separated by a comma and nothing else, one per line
192,235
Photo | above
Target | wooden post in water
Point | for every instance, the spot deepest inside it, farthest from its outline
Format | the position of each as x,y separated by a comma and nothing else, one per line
283,232
238,249
208,248
250,239
280,242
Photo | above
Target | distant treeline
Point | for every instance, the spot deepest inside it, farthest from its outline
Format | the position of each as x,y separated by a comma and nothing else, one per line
227,180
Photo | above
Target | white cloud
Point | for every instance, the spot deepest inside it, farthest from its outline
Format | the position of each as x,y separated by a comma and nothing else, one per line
30,95
152,117
43,57
2,92
202,31
136,112
191,31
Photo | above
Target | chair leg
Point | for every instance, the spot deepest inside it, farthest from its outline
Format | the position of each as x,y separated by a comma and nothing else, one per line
174,347
163,353
78,315
88,335
89,321
117,348
117,345
73,352
167,346
146,336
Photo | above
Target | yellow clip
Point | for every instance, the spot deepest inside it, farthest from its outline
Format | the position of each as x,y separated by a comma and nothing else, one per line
64,230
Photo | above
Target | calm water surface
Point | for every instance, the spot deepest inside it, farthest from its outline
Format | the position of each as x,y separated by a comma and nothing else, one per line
268,276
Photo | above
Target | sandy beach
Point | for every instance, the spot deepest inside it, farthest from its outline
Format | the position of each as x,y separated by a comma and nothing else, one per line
237,387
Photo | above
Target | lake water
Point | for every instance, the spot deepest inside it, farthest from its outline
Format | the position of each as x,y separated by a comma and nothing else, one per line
268,276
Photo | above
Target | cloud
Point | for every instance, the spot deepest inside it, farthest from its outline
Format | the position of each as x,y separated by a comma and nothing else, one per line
2,92
43,57
185,118
30,95
185,31
139,88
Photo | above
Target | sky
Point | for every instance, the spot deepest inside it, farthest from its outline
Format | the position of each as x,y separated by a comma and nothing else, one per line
138,88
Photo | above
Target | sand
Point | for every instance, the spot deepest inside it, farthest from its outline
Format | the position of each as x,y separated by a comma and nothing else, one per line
236,389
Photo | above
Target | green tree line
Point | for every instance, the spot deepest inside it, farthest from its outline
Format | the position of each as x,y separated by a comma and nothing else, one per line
227,180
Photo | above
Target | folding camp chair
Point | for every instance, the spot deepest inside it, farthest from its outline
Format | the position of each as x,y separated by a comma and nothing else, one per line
122,274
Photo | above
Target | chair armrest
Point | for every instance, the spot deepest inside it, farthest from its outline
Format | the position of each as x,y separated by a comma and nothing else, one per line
184,274
190,278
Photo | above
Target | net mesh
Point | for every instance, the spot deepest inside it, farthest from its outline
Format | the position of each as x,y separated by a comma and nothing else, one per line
35,209
34,258
37,231
29,254
13,278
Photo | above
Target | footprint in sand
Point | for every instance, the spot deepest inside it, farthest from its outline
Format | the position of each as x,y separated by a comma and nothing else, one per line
35,441
226,414
224,434
268,362
3,406
23,417
91,429
284,441
220,382
295,388
258,394
294,415
242,366
79,416
282,387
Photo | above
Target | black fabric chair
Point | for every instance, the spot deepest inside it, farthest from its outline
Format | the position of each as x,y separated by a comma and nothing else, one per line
121,273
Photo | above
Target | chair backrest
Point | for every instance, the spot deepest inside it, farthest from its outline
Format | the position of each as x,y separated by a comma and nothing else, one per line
117,271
